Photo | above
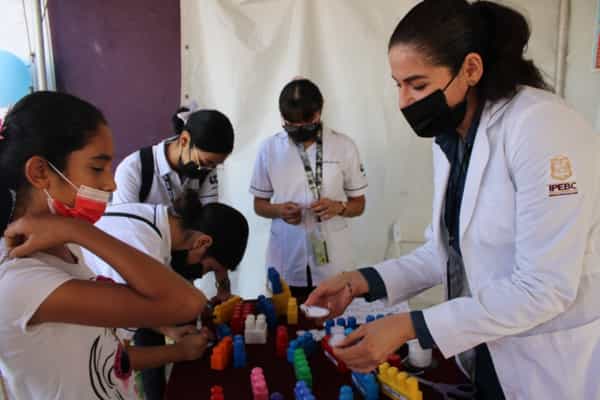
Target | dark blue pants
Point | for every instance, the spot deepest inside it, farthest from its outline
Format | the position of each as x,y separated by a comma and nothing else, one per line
153,379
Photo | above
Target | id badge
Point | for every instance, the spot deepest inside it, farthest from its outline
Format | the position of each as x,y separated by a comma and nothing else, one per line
319,246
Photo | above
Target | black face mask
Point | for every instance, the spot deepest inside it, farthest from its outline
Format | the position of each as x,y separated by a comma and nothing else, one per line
180,265
191,170
303,133
431,116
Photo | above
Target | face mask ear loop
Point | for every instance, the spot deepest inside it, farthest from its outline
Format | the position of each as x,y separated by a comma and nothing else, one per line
61,175
449,83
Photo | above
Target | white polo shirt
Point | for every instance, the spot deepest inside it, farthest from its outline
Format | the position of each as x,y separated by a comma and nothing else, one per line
279,175
166,183
150,233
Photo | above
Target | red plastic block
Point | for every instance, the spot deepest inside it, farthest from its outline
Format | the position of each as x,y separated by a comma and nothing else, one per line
281,341
216,393
339,364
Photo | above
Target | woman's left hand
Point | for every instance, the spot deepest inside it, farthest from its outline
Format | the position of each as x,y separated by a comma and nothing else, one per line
326,208
371,344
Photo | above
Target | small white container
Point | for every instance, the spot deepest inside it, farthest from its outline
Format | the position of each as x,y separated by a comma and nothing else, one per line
417,356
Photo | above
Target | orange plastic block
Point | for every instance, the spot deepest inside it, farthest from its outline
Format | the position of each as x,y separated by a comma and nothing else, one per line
398,385
292,311
280,301
221,354
223,312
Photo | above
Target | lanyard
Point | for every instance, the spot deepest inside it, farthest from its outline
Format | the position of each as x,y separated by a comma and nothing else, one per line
185,184
315,181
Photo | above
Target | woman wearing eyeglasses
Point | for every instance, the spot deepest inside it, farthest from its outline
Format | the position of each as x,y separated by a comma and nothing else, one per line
161,173
308,179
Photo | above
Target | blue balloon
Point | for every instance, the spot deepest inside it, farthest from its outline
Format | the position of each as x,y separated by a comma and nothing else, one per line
15,79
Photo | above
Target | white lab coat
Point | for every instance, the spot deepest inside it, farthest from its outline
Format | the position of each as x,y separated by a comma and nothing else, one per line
531,250
279,176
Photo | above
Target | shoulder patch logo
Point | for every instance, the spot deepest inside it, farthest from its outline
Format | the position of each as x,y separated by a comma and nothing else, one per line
560,168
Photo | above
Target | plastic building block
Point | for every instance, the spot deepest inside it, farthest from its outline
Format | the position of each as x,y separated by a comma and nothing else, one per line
305,342
341,322
224,311
395,361
281,341
292,312
317,334
275,280
265,306
221,354
367,385
260,390
216,393
328,325
302,391
222,331
398,385
301,367
337,336
239,352
255,330
281,292
327,350
351,323
240,312
346,393
348,331
308,343
379,316
276,396
370,318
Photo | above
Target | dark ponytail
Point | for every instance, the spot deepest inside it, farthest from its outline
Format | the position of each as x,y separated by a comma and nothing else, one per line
445,31
226,225
177,123
47,124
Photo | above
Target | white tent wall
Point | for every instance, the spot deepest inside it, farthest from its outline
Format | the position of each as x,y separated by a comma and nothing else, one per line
583,85
237,55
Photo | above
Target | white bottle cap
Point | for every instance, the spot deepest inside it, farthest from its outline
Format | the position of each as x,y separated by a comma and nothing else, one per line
314,311
417,356
336,339
337,330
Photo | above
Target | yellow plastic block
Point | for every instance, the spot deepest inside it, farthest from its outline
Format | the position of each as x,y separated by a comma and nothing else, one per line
280,301
398,385
292,311
223,312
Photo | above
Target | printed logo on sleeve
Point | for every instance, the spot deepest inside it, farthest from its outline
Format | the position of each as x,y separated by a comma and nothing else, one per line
561,170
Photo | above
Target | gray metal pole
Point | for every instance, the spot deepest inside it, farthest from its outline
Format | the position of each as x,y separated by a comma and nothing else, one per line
40,54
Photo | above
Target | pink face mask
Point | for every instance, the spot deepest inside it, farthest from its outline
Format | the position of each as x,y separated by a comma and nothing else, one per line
90,203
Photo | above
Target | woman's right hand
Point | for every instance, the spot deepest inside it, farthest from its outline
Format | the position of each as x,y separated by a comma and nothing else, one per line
30,234
337,292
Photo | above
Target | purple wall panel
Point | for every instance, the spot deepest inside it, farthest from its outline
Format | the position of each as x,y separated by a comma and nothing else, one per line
123,56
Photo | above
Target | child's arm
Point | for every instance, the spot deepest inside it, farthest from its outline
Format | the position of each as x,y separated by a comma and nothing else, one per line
154,295
190,347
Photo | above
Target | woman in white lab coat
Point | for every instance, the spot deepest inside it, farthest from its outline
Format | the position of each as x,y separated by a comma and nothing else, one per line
308,179
516,208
